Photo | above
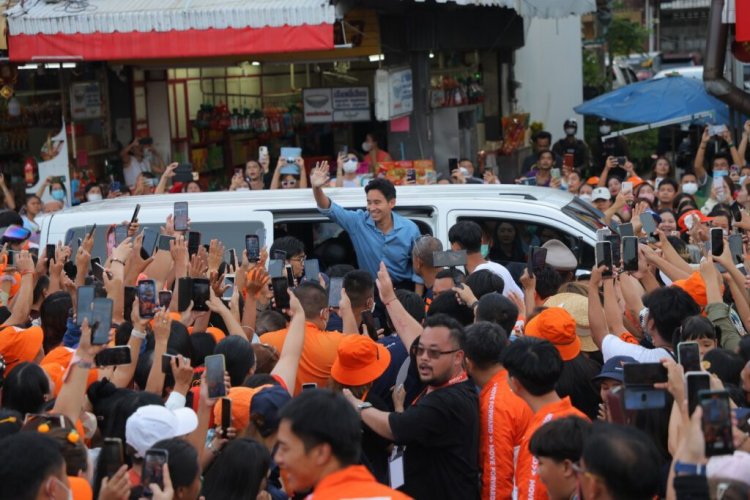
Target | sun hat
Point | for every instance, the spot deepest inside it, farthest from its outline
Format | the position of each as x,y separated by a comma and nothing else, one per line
556,325
153,423
359,361
578,307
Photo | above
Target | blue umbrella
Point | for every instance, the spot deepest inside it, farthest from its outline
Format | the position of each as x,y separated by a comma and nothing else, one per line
653,101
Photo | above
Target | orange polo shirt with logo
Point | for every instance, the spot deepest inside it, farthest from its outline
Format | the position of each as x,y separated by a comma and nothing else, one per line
527,478
354,481
504,418
318,354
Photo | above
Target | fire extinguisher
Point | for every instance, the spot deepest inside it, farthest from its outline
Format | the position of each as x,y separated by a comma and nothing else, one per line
30,172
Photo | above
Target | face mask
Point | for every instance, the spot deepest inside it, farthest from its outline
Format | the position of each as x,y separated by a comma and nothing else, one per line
58,194
94,197
743,178
690,188
366,147
604,129
570,131
485,250
585,197
350,166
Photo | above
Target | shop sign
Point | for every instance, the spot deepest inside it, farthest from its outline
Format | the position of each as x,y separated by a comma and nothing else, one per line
85,101
394,93
339,104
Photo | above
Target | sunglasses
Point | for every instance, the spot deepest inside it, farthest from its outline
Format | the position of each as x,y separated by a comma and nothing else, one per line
432,353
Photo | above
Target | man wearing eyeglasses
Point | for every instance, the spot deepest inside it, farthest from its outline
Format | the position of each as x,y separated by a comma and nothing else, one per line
440,429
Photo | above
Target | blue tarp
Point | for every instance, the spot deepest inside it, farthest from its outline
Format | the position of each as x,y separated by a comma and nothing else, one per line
653,101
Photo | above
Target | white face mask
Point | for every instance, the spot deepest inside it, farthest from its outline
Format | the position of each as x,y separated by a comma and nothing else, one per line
690,188
570,131
350,166
366,147
742,179
585,197
604,129
94,197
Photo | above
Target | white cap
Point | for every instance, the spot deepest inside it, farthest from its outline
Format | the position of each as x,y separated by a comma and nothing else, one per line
601,193
152,423
559,256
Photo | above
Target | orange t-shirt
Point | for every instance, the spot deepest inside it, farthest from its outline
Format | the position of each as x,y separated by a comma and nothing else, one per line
504,418
318,354
354,481
527,479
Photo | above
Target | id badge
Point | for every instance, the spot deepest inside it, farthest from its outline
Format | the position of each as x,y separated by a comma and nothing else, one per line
396,467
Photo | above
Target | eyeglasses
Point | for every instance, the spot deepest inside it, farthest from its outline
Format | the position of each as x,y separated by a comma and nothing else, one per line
418,351
299,258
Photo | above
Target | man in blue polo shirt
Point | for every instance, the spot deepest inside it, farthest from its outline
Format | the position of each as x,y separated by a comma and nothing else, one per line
377,234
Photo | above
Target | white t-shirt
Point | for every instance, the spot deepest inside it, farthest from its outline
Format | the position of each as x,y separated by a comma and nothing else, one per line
612,346
502,271
133,170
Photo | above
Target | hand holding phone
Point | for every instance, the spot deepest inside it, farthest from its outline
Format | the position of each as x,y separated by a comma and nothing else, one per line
180,214
215,368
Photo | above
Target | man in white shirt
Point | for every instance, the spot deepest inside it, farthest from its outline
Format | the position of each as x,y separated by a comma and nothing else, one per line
136,160
467,235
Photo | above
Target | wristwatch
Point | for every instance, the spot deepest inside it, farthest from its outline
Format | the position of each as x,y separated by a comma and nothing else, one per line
689,469
364,406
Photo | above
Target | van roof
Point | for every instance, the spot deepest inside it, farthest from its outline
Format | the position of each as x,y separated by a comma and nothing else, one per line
295,199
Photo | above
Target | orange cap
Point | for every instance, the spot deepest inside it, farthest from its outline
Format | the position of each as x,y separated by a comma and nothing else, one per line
592,181
359,361
635,180
18,346
695,287
241,398
80,488
558,326
216,333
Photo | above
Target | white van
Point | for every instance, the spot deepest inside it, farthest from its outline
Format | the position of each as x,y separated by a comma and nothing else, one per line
534,214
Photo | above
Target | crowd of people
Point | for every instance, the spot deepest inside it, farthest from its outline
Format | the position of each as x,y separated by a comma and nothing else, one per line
488,379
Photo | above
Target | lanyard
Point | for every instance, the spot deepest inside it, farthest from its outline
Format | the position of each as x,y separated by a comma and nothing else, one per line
461,377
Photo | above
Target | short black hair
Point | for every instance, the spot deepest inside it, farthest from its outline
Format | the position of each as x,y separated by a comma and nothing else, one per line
359,287
453,273
339,270
321,416
542,134
182,461
289,244
467,234
534,363
483,282
313,297
667,307
545,152
385,186
548,282
560,439
239,357
497,308
446,304
485,343
670,182
457,333
625,458
413,304
26,460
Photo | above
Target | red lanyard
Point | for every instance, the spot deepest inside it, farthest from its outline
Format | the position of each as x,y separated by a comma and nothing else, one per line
461,377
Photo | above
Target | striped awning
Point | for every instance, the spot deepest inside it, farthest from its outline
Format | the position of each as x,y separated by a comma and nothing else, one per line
147,29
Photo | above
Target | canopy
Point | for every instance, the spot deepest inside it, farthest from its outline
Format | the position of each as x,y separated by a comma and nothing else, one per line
658,100
107,30
535,8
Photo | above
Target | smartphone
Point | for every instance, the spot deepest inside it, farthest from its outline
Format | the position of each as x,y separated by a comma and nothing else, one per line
121,233
130,293
84,301
166,363
717,241
536,261
252,245
696,383
616,242
616,406
183,173
648,223
555,173
452,164
276,268
165,298
312,270
569,160
309,386
49,252
735,248
194,242
621,160
113,356
226,416
153,469
280,293
626,229
742,415
368,321
411,175
91,230
290,276
233,258
115,186
644,374
150,238
228,282
344,150
147,298
201,294
688,355
134,218
263,152
11,258
184,293
449,258
102,318
736,211
215,375
601,234
627,187
717,422
334,291
111,456
96,269
630,253
163,243
603,252
180,214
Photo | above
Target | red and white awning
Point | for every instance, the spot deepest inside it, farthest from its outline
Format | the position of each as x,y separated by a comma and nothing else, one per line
109,30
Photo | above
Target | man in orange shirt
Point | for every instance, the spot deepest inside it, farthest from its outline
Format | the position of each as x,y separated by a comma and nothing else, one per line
534,366
504,416
320,347
319,445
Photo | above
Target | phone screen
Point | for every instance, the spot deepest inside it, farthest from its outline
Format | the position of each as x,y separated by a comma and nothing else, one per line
121,233
648,223
165,298
153,468
644,374
689,356
280,294
201,294
102,318
735,247
215,375
185,293
226,415
696,382
180,216
334,291
252,245
717,423
150,238
569,160
603,253
134,219
194,242
290,277
229,283
312,270
147,298
113,356
717,241
626,229
84,301
49,252
166,363
630,253
112,457
276,268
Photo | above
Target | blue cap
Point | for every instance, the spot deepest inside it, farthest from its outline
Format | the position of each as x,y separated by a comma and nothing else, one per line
613,368
267,403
